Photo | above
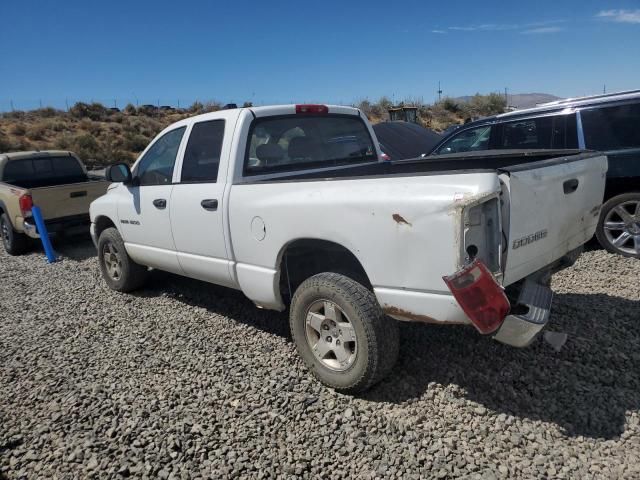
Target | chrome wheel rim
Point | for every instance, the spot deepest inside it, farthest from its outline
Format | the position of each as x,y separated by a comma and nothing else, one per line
331,335
112,261
622,227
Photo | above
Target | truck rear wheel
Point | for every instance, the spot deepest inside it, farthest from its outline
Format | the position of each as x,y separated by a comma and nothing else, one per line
619,225
120,272
14,243
341,332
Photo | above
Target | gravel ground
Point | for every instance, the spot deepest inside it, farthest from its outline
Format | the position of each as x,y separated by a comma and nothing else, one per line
187,380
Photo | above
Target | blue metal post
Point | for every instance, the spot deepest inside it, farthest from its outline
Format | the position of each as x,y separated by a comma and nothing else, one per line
44,235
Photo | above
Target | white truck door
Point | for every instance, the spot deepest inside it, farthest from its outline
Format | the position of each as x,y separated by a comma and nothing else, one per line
197,203
144,208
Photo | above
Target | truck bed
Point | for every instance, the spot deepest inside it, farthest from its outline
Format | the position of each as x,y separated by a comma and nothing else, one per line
472,162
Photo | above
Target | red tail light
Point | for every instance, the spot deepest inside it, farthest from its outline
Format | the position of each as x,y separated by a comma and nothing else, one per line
26,203
480,296
385,157
312,109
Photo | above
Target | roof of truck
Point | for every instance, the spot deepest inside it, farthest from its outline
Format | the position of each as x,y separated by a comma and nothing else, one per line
34,154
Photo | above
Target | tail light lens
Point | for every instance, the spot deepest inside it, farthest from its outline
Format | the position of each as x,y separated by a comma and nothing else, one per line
480,296
385,157
26,203
311,109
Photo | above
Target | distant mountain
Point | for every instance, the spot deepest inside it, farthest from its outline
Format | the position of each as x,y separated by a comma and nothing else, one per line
522,100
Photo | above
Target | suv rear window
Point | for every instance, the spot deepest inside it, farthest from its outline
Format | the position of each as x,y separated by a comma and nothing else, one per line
43,171
612,128
299,142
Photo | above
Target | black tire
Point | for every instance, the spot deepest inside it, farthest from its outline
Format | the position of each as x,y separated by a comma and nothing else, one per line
606,236
130,276
376,335
14,243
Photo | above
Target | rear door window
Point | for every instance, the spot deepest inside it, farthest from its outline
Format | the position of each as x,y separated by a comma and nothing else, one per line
202,155
612,128
297,142
553,131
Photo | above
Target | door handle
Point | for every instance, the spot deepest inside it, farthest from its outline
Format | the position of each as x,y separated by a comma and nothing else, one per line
570,186
210,204
160,203
78,194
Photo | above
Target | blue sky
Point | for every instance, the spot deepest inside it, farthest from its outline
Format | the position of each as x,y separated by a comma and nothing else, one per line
326,51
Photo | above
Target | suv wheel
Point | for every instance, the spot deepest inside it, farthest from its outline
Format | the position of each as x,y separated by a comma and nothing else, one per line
120,272
341,332
619,226
14,243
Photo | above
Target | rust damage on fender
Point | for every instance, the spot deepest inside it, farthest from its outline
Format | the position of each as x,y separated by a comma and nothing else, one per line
414,317
399,219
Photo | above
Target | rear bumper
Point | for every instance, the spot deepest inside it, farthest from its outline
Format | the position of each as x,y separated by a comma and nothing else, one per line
69,225
534,309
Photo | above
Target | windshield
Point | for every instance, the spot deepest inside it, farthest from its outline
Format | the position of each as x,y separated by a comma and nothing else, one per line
298,142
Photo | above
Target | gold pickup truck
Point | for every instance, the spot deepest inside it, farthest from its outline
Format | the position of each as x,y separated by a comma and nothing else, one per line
55,181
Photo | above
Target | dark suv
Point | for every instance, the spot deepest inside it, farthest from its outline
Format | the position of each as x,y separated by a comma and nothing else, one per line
608,123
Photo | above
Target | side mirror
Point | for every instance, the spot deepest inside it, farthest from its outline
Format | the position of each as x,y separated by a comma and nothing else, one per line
119,173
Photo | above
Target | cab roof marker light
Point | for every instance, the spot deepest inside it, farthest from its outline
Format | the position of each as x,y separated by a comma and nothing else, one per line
312,109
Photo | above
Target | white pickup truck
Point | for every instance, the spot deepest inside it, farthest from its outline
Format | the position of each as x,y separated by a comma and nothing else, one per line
295,206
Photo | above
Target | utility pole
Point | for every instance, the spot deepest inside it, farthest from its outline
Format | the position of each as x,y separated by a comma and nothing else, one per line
12,109
66,102
439,91
40,104
604,88
506,97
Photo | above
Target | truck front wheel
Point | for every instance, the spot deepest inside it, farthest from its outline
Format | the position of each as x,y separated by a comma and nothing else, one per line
341,332
14,243
120,272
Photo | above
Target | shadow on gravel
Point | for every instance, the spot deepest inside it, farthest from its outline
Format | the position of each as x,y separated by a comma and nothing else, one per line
77,248
585,389
217,300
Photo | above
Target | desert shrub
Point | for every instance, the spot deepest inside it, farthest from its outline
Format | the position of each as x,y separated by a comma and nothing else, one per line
56,126
94,111
147,110
130,109
196,107
36,131
94,128
18,129
5,144
14,115
135,142
211,107
450,105
85,145
47,112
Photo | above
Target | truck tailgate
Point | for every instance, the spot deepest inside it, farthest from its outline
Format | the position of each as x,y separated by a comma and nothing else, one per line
67,200
553,208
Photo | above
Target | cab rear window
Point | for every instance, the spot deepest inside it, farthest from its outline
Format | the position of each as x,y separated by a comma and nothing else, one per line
296,142
34,170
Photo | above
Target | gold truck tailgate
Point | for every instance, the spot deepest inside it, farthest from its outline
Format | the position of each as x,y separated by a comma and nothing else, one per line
67,200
